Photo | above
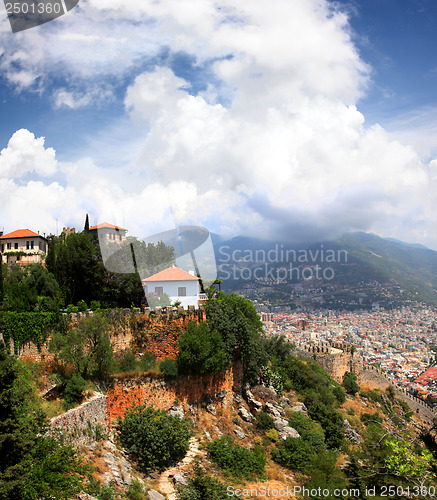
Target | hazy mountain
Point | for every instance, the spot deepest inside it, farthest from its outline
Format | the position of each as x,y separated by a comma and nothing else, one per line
354,258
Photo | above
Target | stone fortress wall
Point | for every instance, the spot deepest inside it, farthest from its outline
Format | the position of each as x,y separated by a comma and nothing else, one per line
338,358
158,332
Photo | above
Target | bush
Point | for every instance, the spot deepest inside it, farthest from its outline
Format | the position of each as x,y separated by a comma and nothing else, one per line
82,306
272,434
74,388
236,460
202,487
303,424
71,309
135,491
155,440
148,361
350,383
368,418
201,350
339,394
265,421
95,305
128,362
168,368
295,453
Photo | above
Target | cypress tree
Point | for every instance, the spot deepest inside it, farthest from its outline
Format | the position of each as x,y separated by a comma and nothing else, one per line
87,224
1,279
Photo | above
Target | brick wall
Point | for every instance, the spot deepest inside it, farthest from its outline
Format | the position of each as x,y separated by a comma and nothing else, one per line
161,393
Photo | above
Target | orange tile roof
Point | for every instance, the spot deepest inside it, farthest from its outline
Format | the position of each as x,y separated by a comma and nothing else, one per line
172,274
106,225
21,233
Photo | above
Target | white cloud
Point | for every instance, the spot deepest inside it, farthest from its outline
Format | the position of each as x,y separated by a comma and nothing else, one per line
26,154
275,146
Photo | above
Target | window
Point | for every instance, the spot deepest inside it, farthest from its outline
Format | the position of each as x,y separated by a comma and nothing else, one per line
159,290
9,246
3,247
27,245
31,245
16,246
182,291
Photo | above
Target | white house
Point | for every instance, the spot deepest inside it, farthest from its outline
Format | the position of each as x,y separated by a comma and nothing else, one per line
177,284
23,247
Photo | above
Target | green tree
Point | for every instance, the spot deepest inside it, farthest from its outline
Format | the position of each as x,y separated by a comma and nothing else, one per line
201,351
240,327
1,279
86,227
32,465
350,383
87,346
153,438
201,486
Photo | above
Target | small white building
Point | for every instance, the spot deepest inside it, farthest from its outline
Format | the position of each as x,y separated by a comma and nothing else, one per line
23,247
177,284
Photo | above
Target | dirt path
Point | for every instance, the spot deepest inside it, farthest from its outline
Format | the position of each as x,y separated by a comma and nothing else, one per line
166,486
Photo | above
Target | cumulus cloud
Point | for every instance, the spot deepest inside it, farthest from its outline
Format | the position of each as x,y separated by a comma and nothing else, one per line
262,135
26,154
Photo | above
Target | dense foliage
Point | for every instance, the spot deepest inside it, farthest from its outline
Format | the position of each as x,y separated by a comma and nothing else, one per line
153,438
201,350
201,486
86,347
240,327
236,460
33,466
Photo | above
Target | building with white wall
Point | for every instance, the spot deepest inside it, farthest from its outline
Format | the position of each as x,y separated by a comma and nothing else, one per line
178,284
23,247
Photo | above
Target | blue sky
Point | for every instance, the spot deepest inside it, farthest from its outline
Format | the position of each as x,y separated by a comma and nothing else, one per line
280,119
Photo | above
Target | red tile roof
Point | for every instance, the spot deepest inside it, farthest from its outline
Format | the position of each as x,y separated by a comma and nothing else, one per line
106,225
21,233
172,274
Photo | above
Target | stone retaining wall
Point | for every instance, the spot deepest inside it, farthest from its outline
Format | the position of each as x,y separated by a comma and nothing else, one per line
84,424
162,394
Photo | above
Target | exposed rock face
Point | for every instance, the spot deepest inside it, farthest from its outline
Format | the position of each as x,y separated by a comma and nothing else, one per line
154,495
179,480
253,403
246,415
301,408
177,411
284,430
350,433
240,434
274,409
211,409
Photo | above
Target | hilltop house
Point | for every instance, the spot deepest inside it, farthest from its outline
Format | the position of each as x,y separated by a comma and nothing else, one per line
177,284
109,232
23,247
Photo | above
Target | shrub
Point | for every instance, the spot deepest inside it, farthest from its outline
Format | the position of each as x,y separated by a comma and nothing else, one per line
339,394
95,305
272,434
201,350
148,361
265,421
201,487
128,362
71,309
168,368
303,424
350,383
156,440
82,306
135,491
368,418
73,390
295,453
235,459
